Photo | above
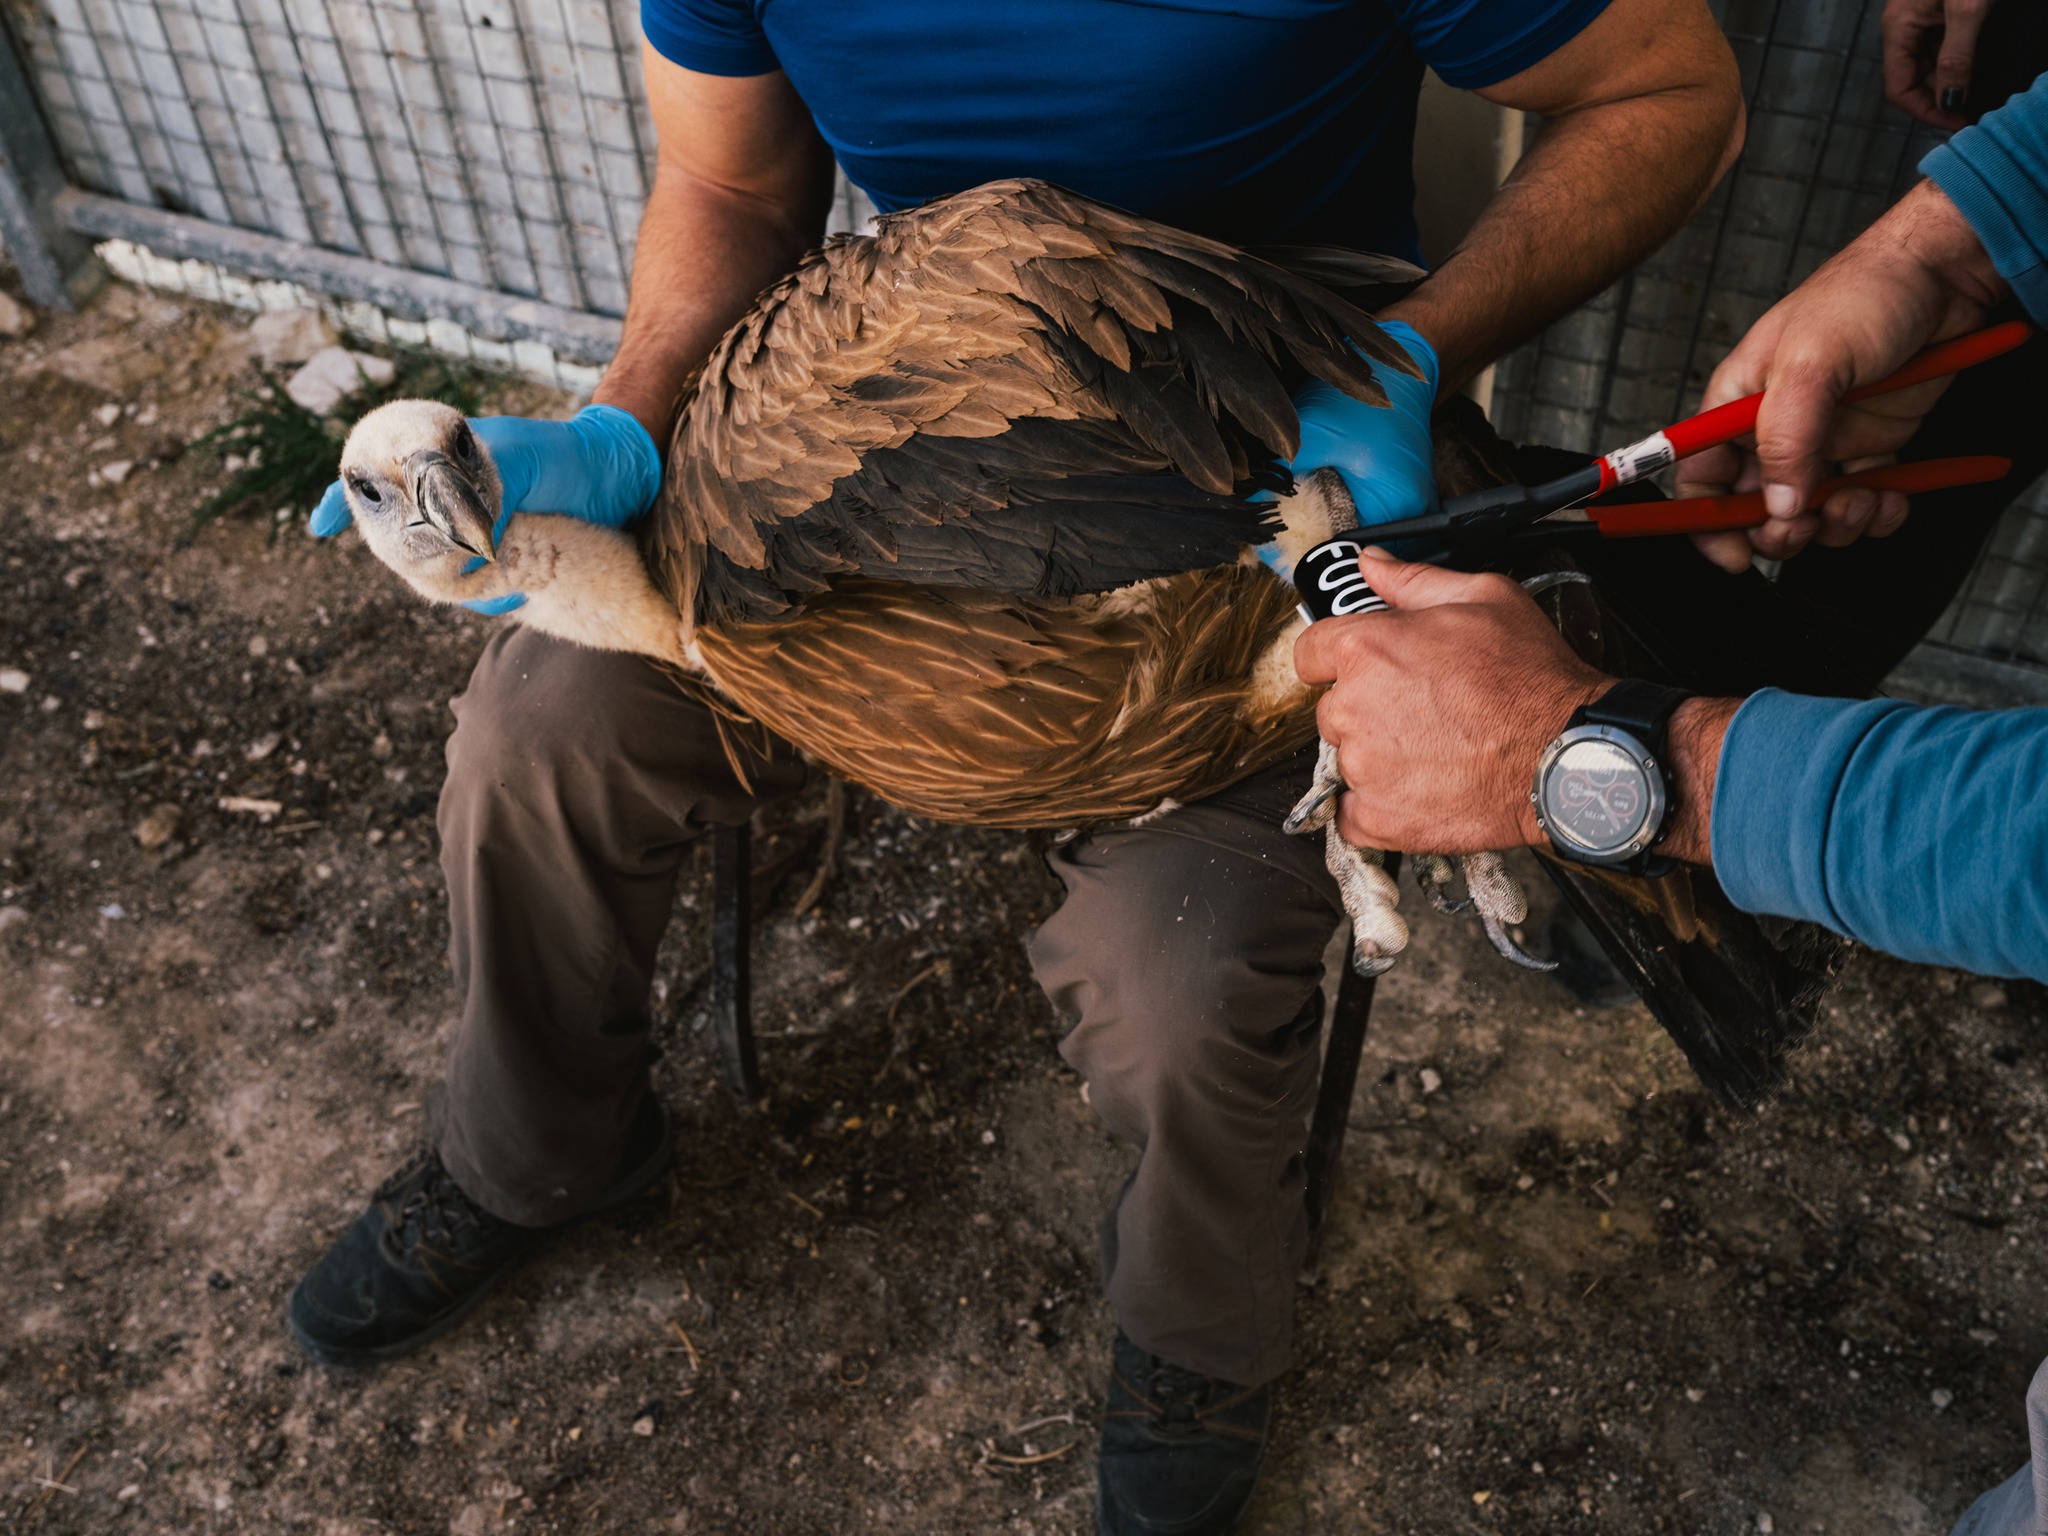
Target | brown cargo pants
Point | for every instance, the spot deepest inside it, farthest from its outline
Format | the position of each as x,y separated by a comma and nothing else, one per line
1185,961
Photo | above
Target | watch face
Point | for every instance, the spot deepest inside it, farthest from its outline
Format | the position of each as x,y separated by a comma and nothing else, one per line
1596,796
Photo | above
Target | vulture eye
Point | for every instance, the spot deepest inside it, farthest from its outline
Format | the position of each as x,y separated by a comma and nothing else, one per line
465,444
367,491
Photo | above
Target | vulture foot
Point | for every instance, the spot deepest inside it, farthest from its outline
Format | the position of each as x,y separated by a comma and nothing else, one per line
1370,896
1433,874
1378,932
1502,906
1368,892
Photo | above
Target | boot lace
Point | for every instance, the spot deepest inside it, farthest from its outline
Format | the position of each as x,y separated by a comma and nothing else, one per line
436,1214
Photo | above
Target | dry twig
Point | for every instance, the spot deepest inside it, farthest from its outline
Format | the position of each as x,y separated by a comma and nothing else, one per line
695,1363
828,855
57,1484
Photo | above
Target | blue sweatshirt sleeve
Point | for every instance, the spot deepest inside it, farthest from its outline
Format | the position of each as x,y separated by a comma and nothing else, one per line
1996,173
1920,831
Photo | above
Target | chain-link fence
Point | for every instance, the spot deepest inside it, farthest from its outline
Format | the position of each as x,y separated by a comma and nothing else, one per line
471,172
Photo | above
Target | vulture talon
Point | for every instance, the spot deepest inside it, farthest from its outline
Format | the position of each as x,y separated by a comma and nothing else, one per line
1505,943
1318,808
1433,875
1502,905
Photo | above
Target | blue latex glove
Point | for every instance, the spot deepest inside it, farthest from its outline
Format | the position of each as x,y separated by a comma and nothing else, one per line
600,466
1383,452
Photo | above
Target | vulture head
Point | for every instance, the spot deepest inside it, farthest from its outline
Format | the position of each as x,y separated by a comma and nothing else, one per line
424,492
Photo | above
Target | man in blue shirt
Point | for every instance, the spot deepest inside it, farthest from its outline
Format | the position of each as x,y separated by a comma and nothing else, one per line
1921,831
1187,955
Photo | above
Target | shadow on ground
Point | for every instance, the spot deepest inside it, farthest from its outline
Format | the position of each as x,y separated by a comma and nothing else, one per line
1561,1292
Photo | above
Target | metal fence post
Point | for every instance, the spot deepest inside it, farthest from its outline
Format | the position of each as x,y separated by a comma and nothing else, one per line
55,263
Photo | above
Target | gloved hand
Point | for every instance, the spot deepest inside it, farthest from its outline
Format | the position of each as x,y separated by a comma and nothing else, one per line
1383,452
599,466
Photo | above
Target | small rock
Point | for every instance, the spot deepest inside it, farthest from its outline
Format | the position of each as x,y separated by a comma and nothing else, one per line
332,374
13,680
132,1490
107,414
282,336
1429,1079
1902,1141
380,749
1695,1395
1988,995
259,645
1525,1183
159,824
248,805
51,703
147,417
1941,1397
10,916
1765,1525
262,746
113,365
15,319
113,911
114,472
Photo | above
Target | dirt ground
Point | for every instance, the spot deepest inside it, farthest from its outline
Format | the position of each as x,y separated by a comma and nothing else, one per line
1560,1292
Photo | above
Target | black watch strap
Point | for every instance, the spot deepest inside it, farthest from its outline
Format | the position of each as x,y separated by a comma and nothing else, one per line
1643,709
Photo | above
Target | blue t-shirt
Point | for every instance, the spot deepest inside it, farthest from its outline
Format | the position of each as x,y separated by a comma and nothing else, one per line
1252,121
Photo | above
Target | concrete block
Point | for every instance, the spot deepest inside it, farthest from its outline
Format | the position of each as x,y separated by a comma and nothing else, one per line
332,374
289,336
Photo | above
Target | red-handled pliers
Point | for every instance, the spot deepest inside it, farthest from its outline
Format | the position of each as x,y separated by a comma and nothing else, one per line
1478,523
1713,514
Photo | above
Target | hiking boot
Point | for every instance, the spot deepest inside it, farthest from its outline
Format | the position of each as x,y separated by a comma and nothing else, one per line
1180,1452
424,1254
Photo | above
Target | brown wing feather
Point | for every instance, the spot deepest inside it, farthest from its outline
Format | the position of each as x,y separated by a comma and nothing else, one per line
825,410
984,708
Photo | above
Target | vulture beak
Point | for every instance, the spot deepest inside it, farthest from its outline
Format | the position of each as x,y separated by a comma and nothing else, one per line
448,501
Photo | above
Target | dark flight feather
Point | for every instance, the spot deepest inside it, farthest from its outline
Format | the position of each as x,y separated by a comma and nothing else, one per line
900,390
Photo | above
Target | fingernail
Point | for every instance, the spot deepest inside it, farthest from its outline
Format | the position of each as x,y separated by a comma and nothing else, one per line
1781,501
1953,98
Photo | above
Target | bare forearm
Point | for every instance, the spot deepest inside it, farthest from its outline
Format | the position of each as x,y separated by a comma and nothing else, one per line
703,255
1642,113
1583,207
1694,747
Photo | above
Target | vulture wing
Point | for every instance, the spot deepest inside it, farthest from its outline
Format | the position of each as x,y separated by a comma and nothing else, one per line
1013,389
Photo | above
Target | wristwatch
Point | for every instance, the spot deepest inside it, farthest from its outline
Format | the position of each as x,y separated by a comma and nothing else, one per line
1600,794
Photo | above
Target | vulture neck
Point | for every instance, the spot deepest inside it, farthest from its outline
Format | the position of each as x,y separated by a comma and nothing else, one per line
584,584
